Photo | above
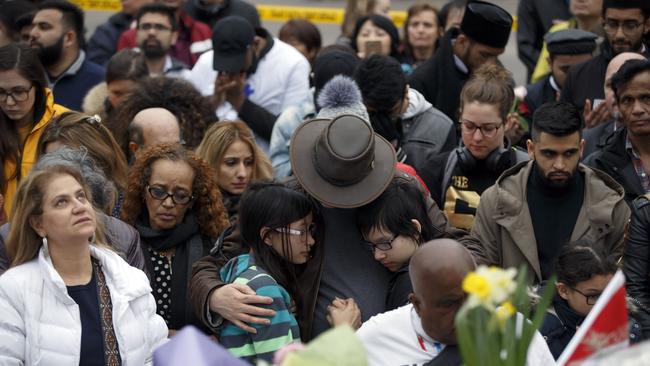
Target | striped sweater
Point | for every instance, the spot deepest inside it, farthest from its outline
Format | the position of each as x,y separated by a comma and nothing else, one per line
283,328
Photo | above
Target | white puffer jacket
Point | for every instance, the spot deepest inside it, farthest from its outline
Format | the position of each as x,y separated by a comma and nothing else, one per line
40,324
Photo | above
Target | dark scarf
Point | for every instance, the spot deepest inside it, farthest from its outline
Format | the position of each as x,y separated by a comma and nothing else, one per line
231,203
181,237
569,318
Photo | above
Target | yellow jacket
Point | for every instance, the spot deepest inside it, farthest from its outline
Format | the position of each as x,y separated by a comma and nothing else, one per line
543,68
28,155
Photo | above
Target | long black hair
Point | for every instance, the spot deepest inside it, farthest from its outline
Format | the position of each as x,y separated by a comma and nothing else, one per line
24,60
276,206
394,209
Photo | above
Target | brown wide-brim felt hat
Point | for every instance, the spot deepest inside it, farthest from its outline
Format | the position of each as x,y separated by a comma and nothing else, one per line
341,162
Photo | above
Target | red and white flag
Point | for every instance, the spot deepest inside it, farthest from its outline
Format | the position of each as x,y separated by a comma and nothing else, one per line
606,327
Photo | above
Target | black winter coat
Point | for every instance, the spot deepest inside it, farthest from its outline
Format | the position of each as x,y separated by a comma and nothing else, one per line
439,79
614,160
637,262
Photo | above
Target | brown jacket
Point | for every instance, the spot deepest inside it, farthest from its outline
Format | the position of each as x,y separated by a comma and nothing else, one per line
505,230
206,278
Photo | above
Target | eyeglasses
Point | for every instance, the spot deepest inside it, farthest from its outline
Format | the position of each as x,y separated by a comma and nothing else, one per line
381,245
487,130
17,94
178,197
629,26
297,232
158,27
591,299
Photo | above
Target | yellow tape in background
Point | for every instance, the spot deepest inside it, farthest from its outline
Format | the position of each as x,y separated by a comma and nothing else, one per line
271,13
99,5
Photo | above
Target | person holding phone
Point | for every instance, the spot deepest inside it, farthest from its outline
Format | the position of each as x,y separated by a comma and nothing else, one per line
375,35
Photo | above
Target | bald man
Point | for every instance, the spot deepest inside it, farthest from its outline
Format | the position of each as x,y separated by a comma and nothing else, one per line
423,332
153,126
605,117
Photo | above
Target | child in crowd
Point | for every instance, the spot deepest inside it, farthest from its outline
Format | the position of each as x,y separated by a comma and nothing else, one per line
582,275
279,225
394,226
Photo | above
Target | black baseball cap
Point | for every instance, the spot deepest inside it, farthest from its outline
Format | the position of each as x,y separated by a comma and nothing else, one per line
231,38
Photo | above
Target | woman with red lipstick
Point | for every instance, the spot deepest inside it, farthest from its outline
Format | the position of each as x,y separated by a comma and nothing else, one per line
229,148
393,226
26,107
68,298
173,202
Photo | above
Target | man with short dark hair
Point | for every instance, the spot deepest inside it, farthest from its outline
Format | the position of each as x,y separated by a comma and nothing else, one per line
157,33
58,35
193,35
625,23
482,37
534,208
627,157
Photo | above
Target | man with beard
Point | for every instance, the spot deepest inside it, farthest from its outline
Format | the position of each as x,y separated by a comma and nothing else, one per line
625,23
482,37
157,32
193,36
58,37
627,157
537,207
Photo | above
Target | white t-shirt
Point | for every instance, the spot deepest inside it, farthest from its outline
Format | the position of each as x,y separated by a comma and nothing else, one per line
396,338
281,79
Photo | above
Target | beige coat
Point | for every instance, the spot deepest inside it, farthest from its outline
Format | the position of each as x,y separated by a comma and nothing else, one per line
505,229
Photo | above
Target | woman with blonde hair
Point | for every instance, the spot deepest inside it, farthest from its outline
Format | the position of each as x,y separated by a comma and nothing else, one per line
229,148
79,131
68,298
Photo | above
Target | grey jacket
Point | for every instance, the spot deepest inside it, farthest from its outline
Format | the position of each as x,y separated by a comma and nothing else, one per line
426,130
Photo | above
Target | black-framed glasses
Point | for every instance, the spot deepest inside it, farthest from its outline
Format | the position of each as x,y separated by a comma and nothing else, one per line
591,299
611,26
18,94
178,197
487,130
157,26
383,245
302,233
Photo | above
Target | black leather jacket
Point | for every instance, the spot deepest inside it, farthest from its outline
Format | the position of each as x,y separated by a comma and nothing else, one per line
637,262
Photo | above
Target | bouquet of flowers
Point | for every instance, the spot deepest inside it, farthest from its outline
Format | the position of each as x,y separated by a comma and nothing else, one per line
492,326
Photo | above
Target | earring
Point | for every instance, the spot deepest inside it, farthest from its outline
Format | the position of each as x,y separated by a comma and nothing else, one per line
44,239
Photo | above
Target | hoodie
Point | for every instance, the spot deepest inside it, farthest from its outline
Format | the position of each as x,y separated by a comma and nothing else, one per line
427,131
283,328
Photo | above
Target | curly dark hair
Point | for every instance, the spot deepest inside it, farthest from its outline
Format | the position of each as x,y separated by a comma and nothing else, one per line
208,207
194,112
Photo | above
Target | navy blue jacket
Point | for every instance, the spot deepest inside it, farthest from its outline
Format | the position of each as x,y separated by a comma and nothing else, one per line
71,87
103,43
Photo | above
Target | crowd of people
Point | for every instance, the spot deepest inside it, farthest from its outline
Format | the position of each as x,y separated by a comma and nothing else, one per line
184,166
